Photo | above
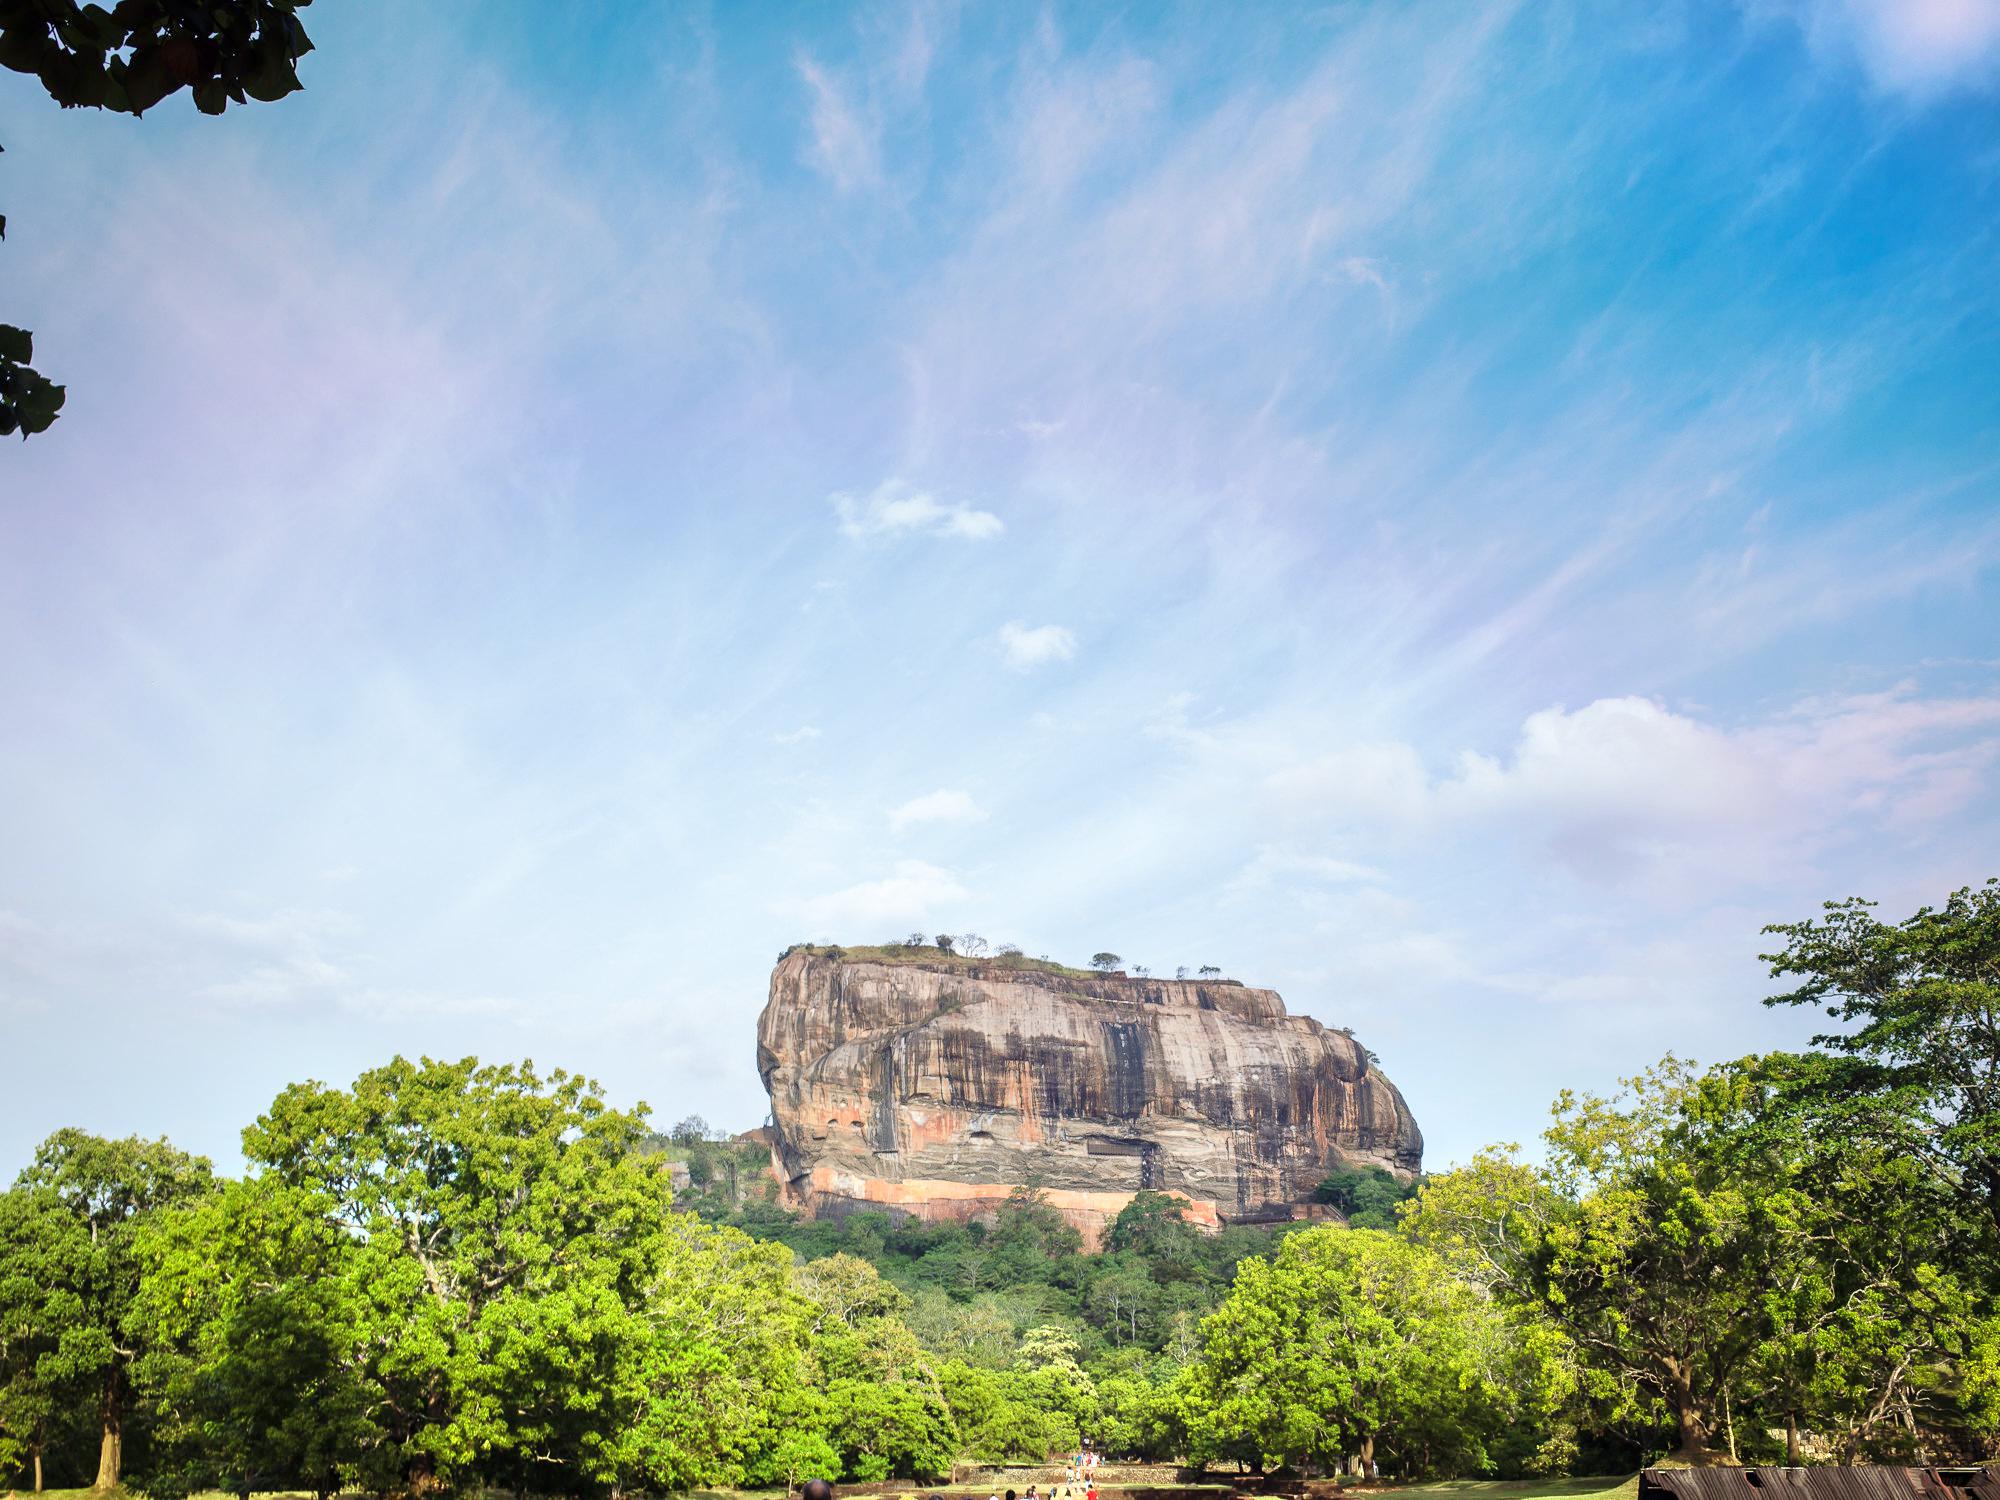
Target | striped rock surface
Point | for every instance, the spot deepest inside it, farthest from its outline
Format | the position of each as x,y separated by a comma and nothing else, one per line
935,1088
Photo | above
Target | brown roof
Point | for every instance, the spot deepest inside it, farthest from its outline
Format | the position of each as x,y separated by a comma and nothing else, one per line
1827,1482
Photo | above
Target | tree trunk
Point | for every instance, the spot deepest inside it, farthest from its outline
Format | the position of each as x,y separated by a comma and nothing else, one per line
38,1469
1729,1425
1792,1439
111,1444
1368,1456
1690,1421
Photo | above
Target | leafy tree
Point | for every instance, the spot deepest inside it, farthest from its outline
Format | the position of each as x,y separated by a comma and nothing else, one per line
713,1379
258,1359
72,1274
1210,971
945,942
1104,963
691,1131
128,59
505,1234
894,1429
1643,1244
1367,1197
1343,1342
1919,1068
35,1233
1705,1253
1154,1227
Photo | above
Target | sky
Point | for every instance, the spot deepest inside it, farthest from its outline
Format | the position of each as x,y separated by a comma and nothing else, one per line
1460,512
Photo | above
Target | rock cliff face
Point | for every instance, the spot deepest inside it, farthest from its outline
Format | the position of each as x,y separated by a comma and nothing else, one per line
934,1088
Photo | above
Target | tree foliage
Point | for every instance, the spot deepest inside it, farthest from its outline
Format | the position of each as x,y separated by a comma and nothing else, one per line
1918,1069
127,59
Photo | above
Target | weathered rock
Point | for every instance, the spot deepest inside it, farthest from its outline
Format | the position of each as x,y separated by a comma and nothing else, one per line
935,1087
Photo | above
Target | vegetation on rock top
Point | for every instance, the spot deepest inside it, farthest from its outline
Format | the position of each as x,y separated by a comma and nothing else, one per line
930,953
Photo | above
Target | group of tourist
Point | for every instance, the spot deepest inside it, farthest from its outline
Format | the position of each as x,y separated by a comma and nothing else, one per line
1079,1481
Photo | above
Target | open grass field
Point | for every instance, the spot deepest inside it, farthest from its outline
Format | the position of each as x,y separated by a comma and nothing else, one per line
1585,1487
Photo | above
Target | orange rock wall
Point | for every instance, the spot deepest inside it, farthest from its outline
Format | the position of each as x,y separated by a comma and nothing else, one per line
934,1091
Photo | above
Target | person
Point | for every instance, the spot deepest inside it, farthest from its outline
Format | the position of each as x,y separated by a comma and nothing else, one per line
816,1489
1091,1493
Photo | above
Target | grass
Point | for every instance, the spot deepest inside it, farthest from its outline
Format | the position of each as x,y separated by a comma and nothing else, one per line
1583,1487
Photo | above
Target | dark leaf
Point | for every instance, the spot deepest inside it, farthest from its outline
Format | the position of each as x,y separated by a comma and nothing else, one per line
16,344
146,80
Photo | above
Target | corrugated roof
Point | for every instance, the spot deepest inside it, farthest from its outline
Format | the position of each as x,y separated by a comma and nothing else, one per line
1828,1482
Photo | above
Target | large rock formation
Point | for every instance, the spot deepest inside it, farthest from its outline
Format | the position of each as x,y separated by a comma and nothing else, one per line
935,1086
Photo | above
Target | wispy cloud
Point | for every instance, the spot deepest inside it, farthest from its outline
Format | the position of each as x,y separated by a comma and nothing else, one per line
1024,647
845,145
804,734
895,509
914,894
1922,48
941,806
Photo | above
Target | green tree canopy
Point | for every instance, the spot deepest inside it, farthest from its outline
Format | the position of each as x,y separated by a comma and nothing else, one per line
71,1275
1918,1067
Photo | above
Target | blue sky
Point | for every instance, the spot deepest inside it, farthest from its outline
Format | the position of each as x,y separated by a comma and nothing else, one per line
1459,512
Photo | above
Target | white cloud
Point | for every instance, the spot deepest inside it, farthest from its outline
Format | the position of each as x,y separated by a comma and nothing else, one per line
1917,47
895,509
802,735
846,146
1624,784
941,806
909,897
1026,648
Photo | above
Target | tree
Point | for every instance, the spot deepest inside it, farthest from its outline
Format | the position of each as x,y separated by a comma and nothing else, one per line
1644,1244
915,940
691,1131
1104,963
74,1269
1008,950
714,1379
505,1234
37,1247
127,59
1367,1197
1181,972
1920,1067
971,944
1154,1227
944,941
1343,1343
257,1322
1210,971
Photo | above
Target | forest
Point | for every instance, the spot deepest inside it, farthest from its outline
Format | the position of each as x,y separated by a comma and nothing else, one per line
455,1275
